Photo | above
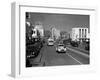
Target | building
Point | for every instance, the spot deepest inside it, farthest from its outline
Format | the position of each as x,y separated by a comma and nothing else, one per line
34,35
80,34
55,33
38,28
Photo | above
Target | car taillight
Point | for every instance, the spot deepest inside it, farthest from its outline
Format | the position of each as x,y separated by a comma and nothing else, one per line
28,56
32,53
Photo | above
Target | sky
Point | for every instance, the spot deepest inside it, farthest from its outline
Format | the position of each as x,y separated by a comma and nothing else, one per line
63,22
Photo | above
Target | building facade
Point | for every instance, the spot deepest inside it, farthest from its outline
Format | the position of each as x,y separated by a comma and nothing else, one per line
34,35
80,34
55,33
37,28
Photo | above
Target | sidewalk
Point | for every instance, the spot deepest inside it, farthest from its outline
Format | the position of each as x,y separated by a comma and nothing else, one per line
38,60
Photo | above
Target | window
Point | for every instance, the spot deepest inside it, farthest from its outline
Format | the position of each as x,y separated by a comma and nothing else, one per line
79,33
85,32
82,33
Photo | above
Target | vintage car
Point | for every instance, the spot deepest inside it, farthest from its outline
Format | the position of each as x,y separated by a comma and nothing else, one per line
74,43
61,48
50,42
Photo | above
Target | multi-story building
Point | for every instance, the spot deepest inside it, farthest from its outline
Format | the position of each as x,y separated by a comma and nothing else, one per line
80,34
38,28
34,35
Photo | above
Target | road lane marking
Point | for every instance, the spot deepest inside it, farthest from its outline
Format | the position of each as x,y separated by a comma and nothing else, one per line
75,59
78,52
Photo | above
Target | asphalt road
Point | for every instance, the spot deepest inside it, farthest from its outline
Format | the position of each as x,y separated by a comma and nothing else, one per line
49,57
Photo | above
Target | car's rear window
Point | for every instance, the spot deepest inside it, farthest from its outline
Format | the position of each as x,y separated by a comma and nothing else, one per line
50,41
60,45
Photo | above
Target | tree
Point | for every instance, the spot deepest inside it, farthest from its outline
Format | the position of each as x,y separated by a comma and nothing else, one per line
64,35
47,33
27,15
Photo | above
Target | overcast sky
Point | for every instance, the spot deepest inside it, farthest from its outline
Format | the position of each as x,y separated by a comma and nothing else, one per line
61,21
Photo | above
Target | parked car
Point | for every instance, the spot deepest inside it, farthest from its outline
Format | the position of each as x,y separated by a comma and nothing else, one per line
87,47
74,43
33,50
66,41
28,64
61,48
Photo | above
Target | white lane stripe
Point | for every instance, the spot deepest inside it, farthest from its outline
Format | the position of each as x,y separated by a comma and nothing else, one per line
74,59
78,52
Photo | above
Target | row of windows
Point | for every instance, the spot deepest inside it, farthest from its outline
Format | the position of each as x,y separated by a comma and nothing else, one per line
82,33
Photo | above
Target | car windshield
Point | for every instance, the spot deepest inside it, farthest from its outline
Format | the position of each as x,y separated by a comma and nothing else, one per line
50,41
60,45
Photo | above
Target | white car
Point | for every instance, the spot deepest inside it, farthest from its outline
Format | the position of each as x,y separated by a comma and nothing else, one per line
50,42
61,48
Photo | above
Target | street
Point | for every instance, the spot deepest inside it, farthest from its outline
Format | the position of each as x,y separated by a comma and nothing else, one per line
49,57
